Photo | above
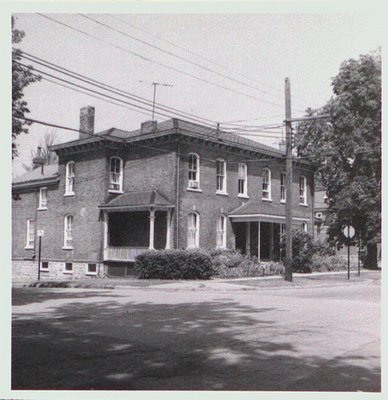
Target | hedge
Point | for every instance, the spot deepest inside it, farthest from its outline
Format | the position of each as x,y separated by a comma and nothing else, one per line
174,264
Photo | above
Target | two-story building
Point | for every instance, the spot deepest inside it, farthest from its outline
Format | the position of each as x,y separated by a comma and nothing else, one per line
173,184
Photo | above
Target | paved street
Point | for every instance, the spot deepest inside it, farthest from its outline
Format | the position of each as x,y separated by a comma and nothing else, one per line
200,336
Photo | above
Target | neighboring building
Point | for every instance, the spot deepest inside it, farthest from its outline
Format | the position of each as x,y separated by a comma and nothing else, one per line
172,184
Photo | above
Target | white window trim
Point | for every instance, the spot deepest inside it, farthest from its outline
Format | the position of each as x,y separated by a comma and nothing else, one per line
198,174
42,208
269,190
245,194
285,188
223,246
66,271
44,269
120,176
65,245
196,245
67,191
91,273
304,203
223,192
28,245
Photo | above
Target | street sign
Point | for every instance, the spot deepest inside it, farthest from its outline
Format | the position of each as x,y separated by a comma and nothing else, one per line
40,232
349,232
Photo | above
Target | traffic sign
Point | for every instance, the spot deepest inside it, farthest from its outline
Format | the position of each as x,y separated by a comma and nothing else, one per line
40,232
349,231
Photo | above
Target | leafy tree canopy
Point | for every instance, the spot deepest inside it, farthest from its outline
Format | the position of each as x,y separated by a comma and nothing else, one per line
21,77
347,149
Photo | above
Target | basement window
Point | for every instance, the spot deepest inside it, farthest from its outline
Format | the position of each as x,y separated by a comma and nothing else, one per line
68,268
91,269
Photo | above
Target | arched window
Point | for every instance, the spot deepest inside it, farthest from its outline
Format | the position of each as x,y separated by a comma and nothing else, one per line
302,190
221,232
221,176
69,183
242,180
194,171
68,232
193,230
283,187
267,184
116,175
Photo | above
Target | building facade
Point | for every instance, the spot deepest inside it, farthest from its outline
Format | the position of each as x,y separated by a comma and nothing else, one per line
172,184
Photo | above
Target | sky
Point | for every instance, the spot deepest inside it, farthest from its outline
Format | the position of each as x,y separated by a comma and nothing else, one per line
242,61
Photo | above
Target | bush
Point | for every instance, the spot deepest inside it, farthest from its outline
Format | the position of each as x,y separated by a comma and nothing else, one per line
303,249
330,263
233,264
174,264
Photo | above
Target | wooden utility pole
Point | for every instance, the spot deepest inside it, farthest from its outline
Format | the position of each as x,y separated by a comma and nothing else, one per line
287,91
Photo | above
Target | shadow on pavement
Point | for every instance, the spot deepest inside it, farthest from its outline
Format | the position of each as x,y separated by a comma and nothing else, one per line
121,345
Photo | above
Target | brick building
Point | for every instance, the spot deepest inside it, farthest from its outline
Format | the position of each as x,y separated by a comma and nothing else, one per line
172,184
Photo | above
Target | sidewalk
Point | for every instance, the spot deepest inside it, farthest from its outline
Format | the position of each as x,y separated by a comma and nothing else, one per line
316,279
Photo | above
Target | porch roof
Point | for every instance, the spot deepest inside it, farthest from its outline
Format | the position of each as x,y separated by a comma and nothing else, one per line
138,201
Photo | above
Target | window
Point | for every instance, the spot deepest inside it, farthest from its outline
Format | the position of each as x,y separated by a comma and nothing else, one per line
69,184
30,234
43,198
68,268
44,266
221,176
68,236
242,180
266,184
193,230
116,175
193,171
221,232
302,191
282,229
283,187
303,227
92,269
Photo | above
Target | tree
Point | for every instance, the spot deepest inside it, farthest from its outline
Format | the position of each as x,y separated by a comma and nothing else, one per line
21,77
49,157
347,150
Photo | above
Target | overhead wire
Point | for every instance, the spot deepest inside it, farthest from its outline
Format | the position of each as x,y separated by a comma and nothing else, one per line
159,63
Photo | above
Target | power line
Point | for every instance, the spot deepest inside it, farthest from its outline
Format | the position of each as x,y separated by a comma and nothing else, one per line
158,63
175,55
110,88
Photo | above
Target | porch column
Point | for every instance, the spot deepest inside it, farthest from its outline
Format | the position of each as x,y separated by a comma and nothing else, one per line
168,231
271,241
248,238
258,241
106,232
152,228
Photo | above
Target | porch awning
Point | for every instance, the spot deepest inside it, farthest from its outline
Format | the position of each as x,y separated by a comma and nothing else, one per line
138,201
252,211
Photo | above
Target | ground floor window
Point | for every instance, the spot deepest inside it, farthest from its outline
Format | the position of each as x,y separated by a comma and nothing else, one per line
30,234
68,268
221,232
193,230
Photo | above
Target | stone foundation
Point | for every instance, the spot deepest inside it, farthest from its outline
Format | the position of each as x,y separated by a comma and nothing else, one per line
23,270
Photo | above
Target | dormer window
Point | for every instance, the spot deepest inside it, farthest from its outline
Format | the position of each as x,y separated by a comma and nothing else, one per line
194,172
116,175
69,183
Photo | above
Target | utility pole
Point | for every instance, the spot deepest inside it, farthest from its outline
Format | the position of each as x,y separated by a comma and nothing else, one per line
287,92
153,102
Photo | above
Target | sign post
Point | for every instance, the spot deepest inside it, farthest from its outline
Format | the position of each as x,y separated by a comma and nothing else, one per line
349,234
40,234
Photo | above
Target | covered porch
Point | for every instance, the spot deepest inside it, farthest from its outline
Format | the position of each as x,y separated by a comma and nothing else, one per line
134,223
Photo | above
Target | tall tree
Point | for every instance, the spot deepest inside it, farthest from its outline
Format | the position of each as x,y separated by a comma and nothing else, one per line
347,150
21,77
44,152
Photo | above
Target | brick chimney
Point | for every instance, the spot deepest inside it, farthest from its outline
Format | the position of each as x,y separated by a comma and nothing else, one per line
86,122
148,126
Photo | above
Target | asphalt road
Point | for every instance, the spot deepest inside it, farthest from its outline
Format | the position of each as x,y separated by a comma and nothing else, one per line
199,337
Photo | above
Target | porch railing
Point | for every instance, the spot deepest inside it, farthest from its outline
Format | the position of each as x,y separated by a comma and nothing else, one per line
122,253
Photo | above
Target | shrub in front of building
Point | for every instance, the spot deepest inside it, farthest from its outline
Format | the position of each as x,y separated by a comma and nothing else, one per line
174,264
